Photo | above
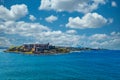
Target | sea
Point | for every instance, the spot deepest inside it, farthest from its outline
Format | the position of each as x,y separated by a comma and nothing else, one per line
83,65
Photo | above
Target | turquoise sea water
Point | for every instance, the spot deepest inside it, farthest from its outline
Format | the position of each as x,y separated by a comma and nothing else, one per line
86,65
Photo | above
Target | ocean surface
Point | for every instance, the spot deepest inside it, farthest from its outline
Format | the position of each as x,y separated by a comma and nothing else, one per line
85,65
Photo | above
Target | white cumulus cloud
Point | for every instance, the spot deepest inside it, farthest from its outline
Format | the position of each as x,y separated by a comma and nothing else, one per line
89,20
71,31
16,12
59,38
22,28
113,4
4,42
83,6
51,18
42,34
98,37
110,41
32,18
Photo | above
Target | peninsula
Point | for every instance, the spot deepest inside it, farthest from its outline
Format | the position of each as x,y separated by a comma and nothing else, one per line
43,49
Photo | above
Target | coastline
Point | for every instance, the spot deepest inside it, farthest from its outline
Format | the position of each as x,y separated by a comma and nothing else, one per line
45,49
49,53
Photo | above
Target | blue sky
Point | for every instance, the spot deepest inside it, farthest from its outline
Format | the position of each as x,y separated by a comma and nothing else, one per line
89,23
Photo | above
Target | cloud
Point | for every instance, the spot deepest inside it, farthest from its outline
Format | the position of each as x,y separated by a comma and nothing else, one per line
4,42
113,4
16,12
38,32
22,28
51,18
32,18
106,41
110,20
59,38
35,32
98,37
89,20
83,6
71,31
115,33
110,41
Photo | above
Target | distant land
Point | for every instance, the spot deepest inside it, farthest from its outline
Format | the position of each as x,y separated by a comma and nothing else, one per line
43,49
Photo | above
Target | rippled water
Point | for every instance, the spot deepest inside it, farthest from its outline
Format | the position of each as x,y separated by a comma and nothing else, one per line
87,65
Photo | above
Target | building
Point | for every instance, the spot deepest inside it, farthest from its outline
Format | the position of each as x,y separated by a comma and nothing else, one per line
38,48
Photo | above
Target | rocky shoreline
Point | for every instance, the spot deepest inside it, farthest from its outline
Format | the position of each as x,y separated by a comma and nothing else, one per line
45,49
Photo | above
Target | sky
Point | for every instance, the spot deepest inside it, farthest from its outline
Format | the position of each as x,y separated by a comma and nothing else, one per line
75,23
